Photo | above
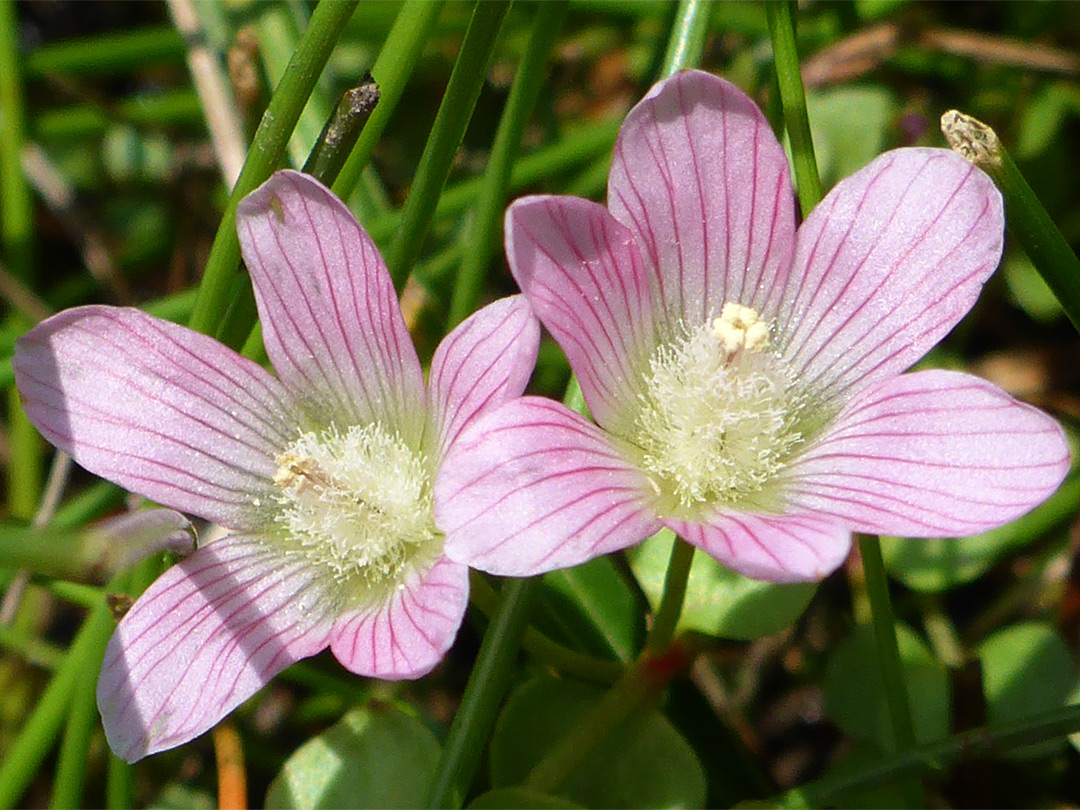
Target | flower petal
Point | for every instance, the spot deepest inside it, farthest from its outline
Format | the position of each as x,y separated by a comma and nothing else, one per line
933,453
532,486
485,361
157,408
585,280
886,265
705,187
331,320
410,633
208,634
796,547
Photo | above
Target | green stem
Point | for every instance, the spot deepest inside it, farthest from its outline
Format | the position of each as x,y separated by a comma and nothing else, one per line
25,755
1025,215
570,151
82,717
16,244
392,68
667,615
542,648
267,148
239,326
781,16
108,54
641,685
888,653
481,237
975,744
488,682
896,695
687,41
455,112
119,784
32,650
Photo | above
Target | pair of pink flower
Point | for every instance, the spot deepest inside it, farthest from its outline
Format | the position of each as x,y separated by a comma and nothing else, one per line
744,378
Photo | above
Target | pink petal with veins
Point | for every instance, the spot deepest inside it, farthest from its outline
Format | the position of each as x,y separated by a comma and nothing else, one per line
409,633
209,633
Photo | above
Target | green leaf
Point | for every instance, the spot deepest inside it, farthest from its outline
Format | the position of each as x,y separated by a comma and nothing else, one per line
876,9
593,608
855,694
1028,290
1044,117
856,759
719,601
644,763
520,797
375,756
848,125
931,566
1027,669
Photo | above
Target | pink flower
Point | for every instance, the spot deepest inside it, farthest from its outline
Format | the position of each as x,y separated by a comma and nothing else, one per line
324,474
746,379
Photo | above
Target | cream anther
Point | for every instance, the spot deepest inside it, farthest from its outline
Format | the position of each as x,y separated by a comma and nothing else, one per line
740,327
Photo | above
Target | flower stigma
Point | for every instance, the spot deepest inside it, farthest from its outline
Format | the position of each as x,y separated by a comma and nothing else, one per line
358,502
720,415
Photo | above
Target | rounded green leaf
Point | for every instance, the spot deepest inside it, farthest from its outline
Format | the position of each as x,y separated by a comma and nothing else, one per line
592,608
1028,289
375,756
848,125
1026,669
719,601
855,694
645,762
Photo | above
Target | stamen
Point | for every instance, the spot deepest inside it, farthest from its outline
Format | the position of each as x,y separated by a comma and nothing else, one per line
720,416
358,503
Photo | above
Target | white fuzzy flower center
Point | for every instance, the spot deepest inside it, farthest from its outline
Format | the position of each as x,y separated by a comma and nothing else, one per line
360,502
719,417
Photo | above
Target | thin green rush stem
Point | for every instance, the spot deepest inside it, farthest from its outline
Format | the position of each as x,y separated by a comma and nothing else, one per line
1025,215
488,682
687,41
16,244
120,776
240,327
271,139
31,650
34,741
119,784
150,111
888,654
70,776
565,154
482,236
395,63
975,744
107,54
455,112
877,585
781,15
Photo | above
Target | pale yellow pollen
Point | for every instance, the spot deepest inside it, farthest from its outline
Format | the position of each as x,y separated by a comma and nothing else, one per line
358,503
740,327
720,415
